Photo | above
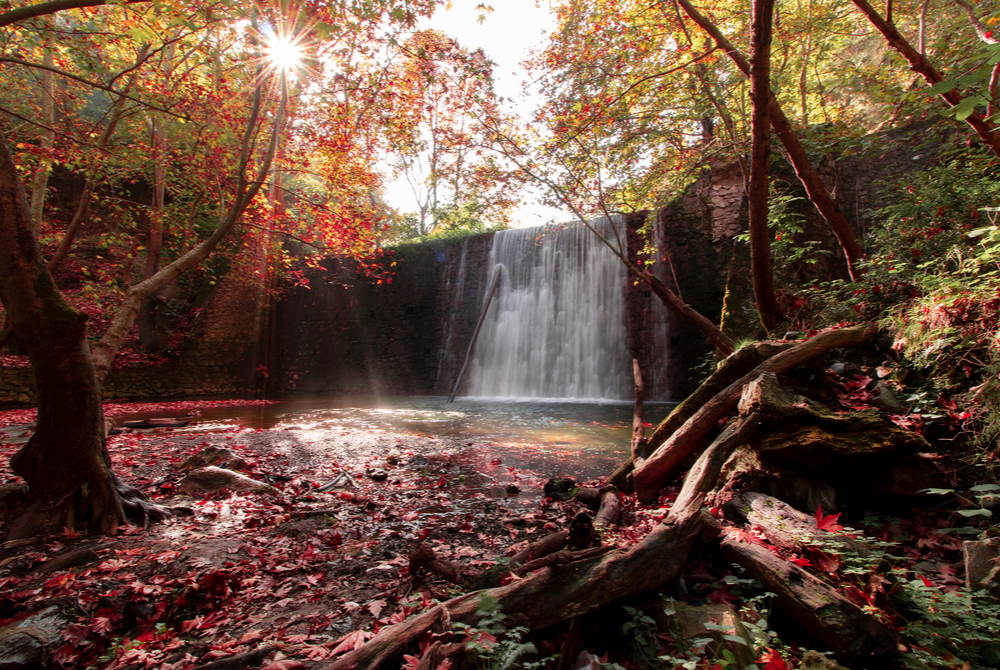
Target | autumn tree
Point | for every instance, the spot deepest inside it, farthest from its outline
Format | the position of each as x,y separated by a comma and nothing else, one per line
234,100
439,145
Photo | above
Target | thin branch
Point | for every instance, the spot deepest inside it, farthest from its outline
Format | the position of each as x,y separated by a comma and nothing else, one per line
93,84
50,129
51,7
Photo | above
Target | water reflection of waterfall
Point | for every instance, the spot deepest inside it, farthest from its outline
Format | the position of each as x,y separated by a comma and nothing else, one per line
556,328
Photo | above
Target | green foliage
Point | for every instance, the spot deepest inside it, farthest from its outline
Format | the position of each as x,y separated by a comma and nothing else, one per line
953,629
495,645
933,280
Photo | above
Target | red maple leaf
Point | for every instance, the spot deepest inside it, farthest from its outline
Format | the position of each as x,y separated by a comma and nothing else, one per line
773,660
827,522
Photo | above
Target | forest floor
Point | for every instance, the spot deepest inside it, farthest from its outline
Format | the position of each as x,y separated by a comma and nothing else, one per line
294,577
302,573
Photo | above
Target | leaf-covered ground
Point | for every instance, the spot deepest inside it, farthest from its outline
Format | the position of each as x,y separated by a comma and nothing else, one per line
301,573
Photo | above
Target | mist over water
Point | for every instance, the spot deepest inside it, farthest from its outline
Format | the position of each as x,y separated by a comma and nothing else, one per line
556,327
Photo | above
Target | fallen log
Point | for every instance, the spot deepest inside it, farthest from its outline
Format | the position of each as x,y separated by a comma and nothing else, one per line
729,370
663,464
814,606
610,510
786,527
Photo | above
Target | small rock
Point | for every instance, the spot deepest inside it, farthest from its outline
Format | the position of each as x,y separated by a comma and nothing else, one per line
813,660
220,456
377,475
212,478
982,565
512,490
887,400
560,488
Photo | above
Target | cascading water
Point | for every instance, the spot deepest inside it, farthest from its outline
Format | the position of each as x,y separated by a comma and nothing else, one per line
556,327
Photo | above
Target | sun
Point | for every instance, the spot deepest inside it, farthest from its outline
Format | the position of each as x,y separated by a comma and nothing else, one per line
283,53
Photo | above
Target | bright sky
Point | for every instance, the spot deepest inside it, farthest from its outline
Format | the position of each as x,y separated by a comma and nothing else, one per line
507,36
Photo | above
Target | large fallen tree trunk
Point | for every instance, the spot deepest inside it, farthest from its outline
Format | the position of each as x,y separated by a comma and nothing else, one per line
733,367
664,463
814,605
564,591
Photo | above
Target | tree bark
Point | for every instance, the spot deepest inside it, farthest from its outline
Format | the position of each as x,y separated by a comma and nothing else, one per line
825,615
51,7
919,63
761,264
40,180
65,462
663,464
638,430
817,192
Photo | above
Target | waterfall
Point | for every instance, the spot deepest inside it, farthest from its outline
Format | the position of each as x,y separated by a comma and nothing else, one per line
556,327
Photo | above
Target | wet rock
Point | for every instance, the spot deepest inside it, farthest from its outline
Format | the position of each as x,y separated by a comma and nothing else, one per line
982,565
560,488
27,643
161,422
212,479
219,456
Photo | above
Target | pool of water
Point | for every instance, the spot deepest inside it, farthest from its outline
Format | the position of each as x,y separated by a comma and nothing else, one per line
585,440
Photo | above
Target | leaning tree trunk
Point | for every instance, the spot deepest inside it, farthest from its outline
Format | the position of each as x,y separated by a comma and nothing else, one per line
65,462
761,264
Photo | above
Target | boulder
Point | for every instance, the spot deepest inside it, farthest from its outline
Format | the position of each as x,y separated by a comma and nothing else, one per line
211,479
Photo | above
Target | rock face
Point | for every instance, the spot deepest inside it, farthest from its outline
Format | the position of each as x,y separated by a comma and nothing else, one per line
211,479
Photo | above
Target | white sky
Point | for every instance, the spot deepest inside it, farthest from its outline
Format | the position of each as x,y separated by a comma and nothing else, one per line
507,36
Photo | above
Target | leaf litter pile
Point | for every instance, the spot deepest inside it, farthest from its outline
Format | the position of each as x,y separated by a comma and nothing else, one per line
291,575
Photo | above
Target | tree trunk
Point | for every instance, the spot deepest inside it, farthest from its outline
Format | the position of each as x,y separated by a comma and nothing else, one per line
921,65
246,189
65,462
152,334
663,464
761,264
636,444
817,192
815,606
40,180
